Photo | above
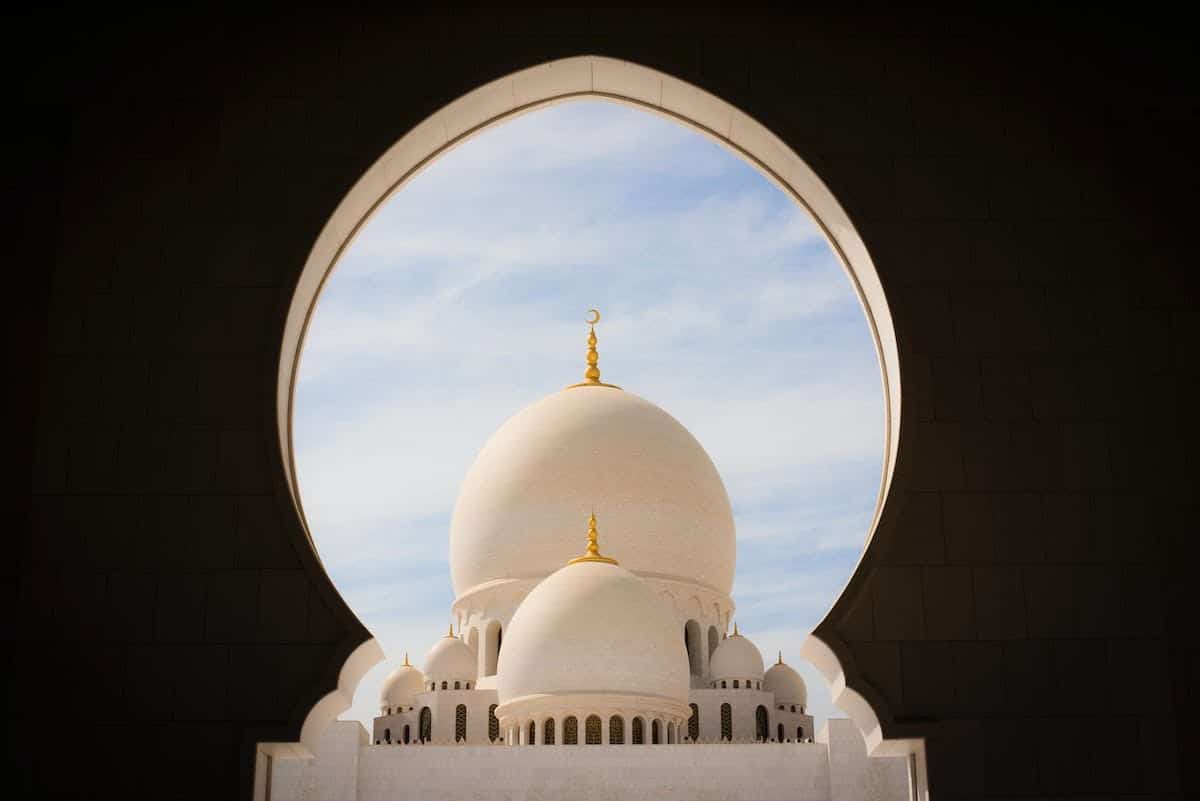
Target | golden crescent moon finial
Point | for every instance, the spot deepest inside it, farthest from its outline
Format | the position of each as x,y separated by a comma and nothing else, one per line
591,376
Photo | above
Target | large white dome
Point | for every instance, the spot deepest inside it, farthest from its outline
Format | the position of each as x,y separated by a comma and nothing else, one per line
665,509
593,628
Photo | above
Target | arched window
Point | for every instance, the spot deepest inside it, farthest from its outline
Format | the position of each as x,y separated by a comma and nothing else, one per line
722,684
458,685
762,729
532,738
493,724
780,732
639,732
426,724
793,707
444,687
548,733
726,722
714,639
694,723
616,730
468,685
406,734
460,722
491,648
591,730
691,641
735,684
387,736
655,734
571,731
800,733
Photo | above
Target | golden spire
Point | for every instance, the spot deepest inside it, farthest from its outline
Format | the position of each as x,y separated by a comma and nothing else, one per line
593,546
780,662
406,660
591,376
450,630
735,631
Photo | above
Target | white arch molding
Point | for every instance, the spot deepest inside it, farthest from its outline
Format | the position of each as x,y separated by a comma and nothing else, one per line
619,81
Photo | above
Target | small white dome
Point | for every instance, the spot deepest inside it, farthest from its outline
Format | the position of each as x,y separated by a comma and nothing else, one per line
736,658
450,659
401,685
666,512
786,684
593,628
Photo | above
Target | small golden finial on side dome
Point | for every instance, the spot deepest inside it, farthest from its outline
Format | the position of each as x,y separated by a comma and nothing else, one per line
780,662
450,630
735,631
406,660
591,376
593,546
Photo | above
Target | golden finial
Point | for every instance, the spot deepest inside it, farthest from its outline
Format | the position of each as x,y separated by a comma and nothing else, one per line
406,660
450,630
591,376
735,631
780,662
593,546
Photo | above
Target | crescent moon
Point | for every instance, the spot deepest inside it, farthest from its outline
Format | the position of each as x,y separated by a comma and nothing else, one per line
596,316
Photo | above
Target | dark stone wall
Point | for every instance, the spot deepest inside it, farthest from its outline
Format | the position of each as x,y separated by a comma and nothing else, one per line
1026,187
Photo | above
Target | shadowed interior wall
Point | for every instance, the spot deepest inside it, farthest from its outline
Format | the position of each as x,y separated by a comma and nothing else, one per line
1025,190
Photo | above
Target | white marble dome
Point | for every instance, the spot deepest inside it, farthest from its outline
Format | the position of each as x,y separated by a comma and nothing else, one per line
665,509
736,658
401,685
450,659
593,628
786,684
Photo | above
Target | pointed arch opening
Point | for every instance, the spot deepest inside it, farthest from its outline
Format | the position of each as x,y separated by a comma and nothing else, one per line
516,94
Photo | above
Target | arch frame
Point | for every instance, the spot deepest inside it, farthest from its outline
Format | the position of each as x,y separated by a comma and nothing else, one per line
627,83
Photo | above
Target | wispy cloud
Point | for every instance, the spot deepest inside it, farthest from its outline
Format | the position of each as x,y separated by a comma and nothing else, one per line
460,302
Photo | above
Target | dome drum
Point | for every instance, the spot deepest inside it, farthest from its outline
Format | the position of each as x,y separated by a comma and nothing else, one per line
581,705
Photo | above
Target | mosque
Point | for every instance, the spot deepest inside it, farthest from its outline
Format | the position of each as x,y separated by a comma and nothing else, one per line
618,637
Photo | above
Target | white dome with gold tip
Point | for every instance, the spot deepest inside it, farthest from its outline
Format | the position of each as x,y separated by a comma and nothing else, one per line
786,684
593,628
450,659
665,507
736,658
401,685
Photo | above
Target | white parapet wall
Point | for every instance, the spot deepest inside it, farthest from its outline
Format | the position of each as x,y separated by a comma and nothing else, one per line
347,768
854,776
632,772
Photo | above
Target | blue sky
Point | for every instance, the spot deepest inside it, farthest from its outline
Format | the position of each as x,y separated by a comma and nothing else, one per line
462,301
